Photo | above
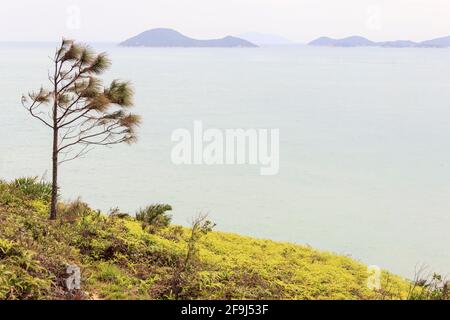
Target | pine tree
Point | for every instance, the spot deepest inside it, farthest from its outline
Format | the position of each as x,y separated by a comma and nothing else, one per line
80,111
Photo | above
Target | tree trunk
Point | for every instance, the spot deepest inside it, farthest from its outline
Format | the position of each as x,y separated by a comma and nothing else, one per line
54,203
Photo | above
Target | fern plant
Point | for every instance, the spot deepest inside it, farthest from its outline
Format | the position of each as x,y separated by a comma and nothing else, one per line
155,216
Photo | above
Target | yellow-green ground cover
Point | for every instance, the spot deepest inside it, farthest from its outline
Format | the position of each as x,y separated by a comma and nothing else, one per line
119,259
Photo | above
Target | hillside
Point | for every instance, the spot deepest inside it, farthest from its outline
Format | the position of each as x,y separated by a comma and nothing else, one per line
354,41
357,41
170,38
443,42
122,259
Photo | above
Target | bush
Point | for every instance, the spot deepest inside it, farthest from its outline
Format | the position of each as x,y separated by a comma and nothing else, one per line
73,210
186,281
155,216
32,188
115,213
9,196
429,287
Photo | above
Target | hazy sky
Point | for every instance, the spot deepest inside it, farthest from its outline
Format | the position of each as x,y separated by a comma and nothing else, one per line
298,20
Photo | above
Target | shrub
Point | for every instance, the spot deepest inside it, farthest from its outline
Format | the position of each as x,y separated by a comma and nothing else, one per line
115,213
154,216
429,287
73,210
32,188
9,195
186,280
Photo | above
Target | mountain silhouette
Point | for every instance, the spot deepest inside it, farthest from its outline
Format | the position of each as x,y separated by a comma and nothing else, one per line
170,38
357,41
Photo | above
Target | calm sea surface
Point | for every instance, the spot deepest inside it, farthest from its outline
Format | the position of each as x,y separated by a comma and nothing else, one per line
365,144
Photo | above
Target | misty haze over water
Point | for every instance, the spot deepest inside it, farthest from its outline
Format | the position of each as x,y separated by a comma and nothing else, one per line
364,163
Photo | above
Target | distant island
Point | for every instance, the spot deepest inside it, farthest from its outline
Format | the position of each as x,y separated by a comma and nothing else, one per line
357,41
170,38
263,39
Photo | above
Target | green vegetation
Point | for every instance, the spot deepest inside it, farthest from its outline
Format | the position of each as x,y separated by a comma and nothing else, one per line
119,259
154,216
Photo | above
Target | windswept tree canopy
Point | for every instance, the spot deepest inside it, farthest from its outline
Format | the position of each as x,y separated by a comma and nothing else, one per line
82,111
